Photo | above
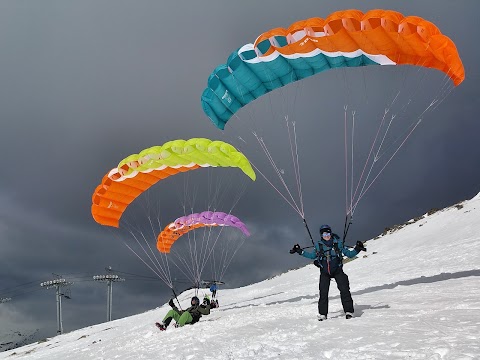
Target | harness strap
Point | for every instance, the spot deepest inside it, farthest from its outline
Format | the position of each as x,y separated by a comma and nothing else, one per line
322,255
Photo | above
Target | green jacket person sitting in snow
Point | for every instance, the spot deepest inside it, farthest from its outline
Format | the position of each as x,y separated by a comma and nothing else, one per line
328,254
188,316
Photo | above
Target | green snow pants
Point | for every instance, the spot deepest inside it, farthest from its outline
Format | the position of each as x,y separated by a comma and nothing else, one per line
180,318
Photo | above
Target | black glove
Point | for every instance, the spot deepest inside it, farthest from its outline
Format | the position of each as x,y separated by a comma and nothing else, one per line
316,263
171,303
296,249
359,247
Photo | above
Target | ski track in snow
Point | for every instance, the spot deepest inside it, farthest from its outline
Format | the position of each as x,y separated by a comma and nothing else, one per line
418,297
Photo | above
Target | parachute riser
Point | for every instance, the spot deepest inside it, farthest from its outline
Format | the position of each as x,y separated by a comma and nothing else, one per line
309,234
174,294
346,226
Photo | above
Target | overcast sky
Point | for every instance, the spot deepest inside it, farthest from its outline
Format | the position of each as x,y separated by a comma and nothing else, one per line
85,84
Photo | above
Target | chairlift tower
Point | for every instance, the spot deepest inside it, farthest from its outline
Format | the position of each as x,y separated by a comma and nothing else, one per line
59,284
109,278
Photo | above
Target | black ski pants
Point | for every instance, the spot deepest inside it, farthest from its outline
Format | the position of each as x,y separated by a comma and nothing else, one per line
343,285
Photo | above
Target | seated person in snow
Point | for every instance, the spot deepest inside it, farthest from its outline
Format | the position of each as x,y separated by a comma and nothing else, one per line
189,316
213,302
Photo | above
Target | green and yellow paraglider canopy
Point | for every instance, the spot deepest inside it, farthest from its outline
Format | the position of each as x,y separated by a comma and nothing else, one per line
138,172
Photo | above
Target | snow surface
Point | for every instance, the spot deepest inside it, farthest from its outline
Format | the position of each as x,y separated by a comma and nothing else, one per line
416,295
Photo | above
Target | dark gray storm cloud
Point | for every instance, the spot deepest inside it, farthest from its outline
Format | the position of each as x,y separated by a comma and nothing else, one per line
85,84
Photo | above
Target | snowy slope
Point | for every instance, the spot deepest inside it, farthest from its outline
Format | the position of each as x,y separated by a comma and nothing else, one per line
417,297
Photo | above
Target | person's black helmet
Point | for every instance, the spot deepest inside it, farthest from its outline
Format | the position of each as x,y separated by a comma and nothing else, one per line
325,228
195,301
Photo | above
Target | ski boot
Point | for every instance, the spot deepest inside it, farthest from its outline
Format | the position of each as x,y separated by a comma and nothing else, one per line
161,326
